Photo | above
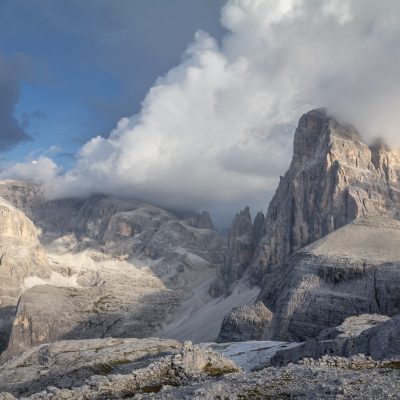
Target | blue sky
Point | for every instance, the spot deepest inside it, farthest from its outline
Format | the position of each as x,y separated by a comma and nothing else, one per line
86,64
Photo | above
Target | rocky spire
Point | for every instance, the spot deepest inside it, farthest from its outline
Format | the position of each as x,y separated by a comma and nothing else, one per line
334,178
243,239
204,221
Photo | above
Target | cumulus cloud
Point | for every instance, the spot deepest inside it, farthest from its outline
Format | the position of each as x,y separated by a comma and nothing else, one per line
41,170
217,129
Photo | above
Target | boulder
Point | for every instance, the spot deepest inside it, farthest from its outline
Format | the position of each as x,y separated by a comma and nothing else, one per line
246,323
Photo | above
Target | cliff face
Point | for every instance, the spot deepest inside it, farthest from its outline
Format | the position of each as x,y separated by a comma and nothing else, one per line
352,271
243,238
335,181
21,257
117,266
334,178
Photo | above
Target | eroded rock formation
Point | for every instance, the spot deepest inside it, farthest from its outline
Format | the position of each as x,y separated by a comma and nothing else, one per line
335,179
21,257
243,238
354,270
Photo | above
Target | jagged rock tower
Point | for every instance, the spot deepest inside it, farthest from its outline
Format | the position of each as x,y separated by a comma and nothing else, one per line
334,178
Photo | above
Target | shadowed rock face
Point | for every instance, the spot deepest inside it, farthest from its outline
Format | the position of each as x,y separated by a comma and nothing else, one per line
243,238
246,323
46,313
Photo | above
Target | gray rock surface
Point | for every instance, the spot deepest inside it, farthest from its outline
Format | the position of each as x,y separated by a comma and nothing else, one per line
354,270
197,220
26,196
129,229
335,181
243,239
69,363
118,267
246,323
47,313
334,178
119,369
21,257
150,369
373,335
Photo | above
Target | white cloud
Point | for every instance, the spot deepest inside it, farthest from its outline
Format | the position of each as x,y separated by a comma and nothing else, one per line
42,169
217,129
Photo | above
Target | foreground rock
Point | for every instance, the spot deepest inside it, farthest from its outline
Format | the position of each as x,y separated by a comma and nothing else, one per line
69,363
374,335
116,368
193,373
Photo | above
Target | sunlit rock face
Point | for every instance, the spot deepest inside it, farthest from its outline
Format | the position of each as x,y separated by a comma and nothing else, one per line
335,181
334,178
116,267
21,257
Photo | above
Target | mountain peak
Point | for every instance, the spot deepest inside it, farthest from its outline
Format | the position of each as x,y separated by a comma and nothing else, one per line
315,132
333,179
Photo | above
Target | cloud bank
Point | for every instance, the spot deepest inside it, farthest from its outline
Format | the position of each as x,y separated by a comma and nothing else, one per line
217,129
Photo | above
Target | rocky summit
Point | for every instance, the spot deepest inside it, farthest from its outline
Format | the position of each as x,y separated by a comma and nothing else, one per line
329,245
103,297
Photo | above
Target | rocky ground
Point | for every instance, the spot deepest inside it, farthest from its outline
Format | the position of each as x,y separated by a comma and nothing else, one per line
363,363
154,369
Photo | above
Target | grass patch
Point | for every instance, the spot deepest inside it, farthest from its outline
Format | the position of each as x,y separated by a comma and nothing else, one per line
391,365
217,372
151,389
100,305
107,368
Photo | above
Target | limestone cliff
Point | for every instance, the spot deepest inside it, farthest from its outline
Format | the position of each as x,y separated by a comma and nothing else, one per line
118,267
352,271
21,257
334,178
243,239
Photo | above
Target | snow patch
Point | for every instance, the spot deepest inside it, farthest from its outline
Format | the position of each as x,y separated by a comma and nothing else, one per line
252,355
55,279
